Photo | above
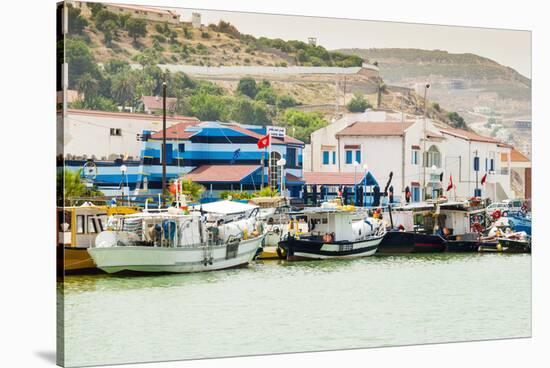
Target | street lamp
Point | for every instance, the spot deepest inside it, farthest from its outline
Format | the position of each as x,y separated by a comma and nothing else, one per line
282,163
123,169
355,166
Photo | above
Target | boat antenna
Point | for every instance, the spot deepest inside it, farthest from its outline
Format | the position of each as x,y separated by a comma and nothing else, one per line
163,140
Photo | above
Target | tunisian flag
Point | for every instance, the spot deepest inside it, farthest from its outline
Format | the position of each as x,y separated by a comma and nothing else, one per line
264,141
450,186
484,179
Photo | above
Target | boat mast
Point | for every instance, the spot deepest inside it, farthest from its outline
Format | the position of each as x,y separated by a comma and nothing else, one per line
163,140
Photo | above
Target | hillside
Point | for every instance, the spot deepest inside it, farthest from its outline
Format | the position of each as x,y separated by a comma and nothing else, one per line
115,58
402,64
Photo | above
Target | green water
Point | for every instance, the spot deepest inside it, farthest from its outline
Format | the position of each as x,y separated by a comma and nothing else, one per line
275,307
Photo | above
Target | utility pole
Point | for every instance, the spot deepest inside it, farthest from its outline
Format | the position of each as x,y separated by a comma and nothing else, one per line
424,154
163,140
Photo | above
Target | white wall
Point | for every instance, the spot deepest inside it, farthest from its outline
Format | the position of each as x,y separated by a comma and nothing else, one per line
90,134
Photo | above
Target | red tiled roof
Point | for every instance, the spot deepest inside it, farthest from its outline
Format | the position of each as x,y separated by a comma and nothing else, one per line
221,173
293,178
517,156
375,129
155,102
176,131
331,178
131,115
471,136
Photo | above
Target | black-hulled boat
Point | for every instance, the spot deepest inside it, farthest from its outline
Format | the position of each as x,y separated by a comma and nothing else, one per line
334,233
503,245
469,242
396,242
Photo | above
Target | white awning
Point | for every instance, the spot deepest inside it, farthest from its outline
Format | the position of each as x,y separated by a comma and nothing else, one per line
225,207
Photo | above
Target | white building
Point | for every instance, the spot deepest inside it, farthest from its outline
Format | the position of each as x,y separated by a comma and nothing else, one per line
388,146
108,135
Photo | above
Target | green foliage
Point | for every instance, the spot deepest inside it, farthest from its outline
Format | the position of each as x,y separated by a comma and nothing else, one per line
285,102
123,88
457,121
208,107
267,95
114,66
266,192
191,189
235,195
70,184
109,28
247,86
247,111
80,60
87,85
358,103
302,124
136,28
95,8
76,22
436,107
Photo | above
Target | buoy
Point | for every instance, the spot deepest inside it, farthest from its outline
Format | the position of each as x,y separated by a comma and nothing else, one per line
499,247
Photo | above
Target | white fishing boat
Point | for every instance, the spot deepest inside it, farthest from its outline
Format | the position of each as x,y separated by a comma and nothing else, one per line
175,241
172,241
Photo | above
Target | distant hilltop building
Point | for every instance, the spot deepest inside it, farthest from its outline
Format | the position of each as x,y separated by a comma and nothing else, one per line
196,20
141,12
523,124
312,41
153,104
485,110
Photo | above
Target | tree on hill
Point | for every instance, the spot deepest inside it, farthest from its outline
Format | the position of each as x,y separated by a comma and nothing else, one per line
285,102
456,120
76,22
208,107
302,124
88,86
358,103
108,28
80,60
136,28
123,88
247,86
246,111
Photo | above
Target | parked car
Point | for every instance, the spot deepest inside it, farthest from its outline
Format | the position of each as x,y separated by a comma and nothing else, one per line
501,206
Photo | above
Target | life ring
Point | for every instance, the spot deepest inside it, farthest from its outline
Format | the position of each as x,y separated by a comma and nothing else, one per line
477,227
496,214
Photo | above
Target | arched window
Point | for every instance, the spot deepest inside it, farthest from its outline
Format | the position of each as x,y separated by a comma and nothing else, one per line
274,174
433,157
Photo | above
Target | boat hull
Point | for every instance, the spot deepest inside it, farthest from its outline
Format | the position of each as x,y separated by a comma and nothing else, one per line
506,246
396,242
305,249
75,260
459,246
174,260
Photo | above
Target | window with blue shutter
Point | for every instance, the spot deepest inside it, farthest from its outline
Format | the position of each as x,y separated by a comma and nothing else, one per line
325,157
492,164
358,156
349,157
334,157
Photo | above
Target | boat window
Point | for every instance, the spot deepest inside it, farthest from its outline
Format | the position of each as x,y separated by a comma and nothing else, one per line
91,225
80,224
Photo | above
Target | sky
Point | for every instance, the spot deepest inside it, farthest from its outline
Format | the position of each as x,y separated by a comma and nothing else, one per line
508,47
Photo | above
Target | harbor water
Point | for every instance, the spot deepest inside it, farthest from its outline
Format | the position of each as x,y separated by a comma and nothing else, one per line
276,307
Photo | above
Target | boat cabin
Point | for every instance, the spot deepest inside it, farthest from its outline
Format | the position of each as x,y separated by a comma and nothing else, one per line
335,223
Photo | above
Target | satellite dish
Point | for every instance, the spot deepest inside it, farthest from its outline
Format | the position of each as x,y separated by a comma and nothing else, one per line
89,170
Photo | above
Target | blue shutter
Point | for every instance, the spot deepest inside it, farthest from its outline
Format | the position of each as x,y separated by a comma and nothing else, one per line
492,164
358,156
349,157
476,163
334,157
325,158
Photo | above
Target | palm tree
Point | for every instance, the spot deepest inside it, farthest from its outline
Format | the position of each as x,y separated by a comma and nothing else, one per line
70,186
191,189
88,86
123,88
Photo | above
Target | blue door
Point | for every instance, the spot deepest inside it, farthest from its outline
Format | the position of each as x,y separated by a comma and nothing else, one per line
415,194
169,153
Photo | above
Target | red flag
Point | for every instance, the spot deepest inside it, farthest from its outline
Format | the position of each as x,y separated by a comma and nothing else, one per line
264,141
450,186
484,179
